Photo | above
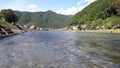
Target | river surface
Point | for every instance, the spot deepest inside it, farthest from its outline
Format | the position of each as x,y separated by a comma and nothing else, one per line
60,50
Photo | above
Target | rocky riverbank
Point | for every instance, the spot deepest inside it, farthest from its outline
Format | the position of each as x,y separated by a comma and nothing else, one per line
8,32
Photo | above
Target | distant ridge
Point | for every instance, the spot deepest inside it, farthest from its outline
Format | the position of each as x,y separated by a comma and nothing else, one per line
48,19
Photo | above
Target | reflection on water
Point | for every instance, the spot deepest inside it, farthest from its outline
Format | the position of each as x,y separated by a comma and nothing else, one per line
60,50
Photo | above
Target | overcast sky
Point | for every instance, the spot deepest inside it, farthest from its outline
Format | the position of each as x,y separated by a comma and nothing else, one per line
67,7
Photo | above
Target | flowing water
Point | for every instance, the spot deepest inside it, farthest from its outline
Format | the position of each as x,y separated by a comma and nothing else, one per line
60,50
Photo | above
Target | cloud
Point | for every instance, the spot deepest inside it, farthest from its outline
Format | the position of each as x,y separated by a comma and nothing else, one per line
21,5
69,11
33,7
14,4
90,0
81,8
81,4
78,3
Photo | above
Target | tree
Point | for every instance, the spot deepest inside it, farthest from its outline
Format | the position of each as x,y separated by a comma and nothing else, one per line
1,15
9,15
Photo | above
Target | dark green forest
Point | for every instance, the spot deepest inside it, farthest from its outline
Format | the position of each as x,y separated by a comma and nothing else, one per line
48,19
7,19
99,13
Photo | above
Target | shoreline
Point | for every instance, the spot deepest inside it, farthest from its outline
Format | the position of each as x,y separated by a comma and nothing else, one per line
109,31
15,32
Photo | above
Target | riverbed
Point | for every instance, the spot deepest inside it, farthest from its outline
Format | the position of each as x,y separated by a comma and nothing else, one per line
60,50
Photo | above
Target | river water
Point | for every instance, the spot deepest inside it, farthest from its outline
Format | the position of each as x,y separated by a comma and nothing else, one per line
60,50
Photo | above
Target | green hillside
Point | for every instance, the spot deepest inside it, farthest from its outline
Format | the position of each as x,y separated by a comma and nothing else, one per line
99,13
46,19
7,25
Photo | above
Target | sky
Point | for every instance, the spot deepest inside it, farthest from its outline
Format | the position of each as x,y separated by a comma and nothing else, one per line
66,7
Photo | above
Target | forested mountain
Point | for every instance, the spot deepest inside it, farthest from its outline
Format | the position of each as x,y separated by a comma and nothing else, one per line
48,19
99,13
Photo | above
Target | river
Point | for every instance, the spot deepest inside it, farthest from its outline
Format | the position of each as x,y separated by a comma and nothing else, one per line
60,50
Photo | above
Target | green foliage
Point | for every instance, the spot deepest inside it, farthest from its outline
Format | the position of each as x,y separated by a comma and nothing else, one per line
7,25
18,14
47,19
96,23
9,15
25,18
114,20
98,11
1,15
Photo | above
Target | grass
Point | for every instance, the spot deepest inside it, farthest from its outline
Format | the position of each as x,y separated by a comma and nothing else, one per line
7,25
102,31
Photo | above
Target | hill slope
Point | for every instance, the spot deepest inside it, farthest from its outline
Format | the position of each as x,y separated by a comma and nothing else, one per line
46,19
99,13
